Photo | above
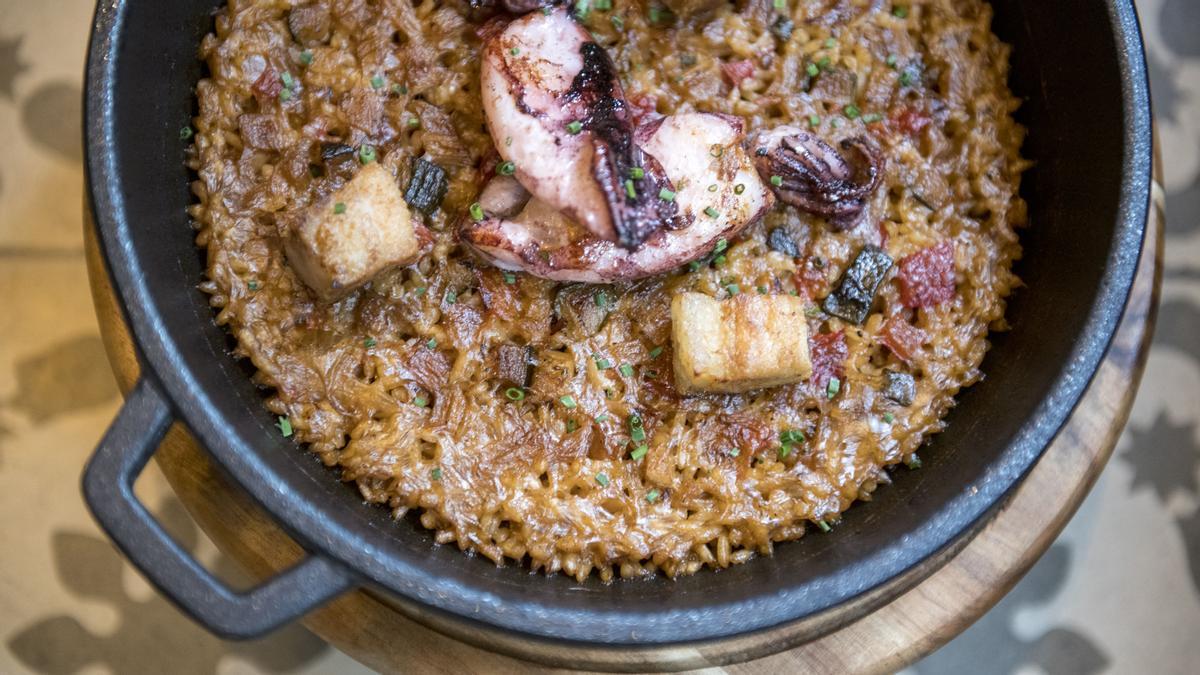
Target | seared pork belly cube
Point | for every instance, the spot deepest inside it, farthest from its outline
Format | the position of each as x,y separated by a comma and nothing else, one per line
354,234
746,342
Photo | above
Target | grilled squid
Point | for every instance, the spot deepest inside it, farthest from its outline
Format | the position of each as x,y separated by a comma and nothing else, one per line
559,118
717,194
808,173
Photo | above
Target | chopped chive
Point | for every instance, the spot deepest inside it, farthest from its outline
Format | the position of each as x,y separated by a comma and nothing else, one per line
655,13
514,393
629,189
581,8
666,195
780,5
508,141
834,386
421,291
776,180
369,342
711,212
575,126
568,401
900,11
602,5
785,450
514,51
509,278
637,173
603,363
852,111
790,436
506,169
717,151
287,80
830,43
639,452
420,401
733,289
719,260
712,188
812,69
836,123
617,22
451,297
824,63
306,57
654,353
913,462
285,426
652,496
889,417
872,118
432,343
814,120
572,425
413,122
399,89
762,290
436,474
733,452
824,526
186,133
285,95
339,208
601,419
812,311
739,189
601,299
626,370
906,78
891,60
722,244
253,285
694,265
366,154
377,82
476,212
602,480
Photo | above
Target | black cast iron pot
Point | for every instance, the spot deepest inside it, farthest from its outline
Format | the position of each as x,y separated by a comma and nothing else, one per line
1079,65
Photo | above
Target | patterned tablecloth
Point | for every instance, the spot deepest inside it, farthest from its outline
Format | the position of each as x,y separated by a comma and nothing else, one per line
1119,591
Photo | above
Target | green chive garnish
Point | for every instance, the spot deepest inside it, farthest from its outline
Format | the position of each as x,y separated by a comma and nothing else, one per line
509,278
900,11
377,82
603,363
601,419
253,285
572,425
891,60
813,120
602,480
717,151
654,353
626,370
872,118
286,79
366,154
601,299
637,173
762,290
575,127
602,5
339,208
581,8
514,393
733,452
830,43
421,291
420,401
889,417
436,474
451,297
306,57
776,180
666,195
780,5
906,78
824,526
712,188
186,133
568,401
639,452
733,289
852,111
739,189
617,22
913,462
834,386
785,450
506,169
514,51
432,343
476,212
369,342
652,496
285,426
414,122
722,244
789,436
285,95
711,212
629,189
812,70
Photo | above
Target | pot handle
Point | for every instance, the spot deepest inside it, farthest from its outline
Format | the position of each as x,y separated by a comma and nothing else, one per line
108,489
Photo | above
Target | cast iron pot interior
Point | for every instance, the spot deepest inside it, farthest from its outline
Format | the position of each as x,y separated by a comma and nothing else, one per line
1088,115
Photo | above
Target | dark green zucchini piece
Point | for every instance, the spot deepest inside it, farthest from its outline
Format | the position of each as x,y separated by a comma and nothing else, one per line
851,299
899,387
427,187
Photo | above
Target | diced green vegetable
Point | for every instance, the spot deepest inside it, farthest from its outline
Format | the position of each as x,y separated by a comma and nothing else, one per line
854,294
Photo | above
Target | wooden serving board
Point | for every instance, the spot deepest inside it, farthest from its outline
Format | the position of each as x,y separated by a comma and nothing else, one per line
388,637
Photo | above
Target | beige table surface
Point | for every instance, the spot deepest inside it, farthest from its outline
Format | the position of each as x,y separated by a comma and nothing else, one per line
1119,591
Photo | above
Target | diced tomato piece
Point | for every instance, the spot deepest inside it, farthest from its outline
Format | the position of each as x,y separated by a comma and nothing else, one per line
828,352
736,71
268,85
911,121
927,276
901,337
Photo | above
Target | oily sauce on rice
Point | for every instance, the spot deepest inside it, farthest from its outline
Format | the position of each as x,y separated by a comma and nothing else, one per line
599,464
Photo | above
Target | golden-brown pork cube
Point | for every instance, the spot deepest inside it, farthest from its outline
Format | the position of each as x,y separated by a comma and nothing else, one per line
354,234
746,342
